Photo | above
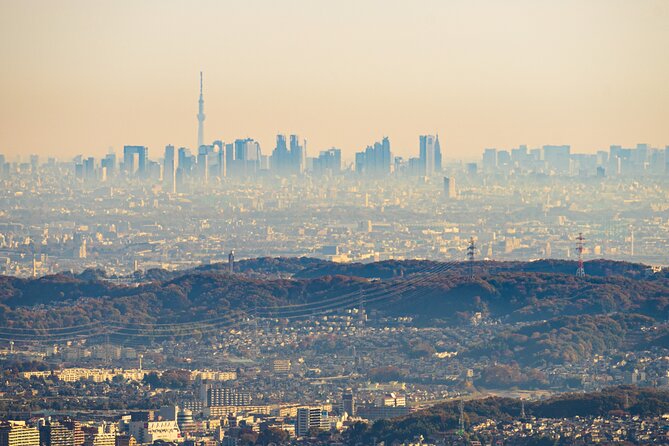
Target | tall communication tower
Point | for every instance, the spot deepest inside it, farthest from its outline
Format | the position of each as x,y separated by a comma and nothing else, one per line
471,254
580,240
200,117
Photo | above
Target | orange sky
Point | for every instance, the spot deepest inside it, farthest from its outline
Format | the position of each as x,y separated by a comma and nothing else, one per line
82,76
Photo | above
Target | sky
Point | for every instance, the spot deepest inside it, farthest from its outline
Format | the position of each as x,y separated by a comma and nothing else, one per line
89,76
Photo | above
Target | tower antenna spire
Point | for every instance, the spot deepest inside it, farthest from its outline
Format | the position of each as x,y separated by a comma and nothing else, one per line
200,117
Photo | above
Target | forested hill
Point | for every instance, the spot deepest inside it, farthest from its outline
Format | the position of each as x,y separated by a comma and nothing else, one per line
560,312
644,402
306,267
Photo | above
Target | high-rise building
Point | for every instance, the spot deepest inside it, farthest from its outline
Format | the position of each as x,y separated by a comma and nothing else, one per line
131,168
449,188
327,162
200,117
247,158
375,161
169,169
557,158
288,160
490,160
108,165
348,402
203,155
429,154
219,155
298,154
16,433
310,418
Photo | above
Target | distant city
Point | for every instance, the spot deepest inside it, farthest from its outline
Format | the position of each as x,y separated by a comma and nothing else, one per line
186,209
228,297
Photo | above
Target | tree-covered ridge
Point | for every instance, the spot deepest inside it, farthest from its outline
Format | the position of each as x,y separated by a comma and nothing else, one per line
645,402
565,317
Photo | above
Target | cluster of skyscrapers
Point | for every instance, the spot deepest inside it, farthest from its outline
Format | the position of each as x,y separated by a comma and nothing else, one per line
243,158
559,160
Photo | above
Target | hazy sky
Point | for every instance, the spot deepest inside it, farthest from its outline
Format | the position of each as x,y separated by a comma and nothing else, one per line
84,76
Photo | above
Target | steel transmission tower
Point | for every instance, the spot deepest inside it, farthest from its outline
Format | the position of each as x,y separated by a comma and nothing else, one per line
580,240
471,254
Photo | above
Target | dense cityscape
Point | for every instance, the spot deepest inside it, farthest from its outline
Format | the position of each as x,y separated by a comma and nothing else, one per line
392,224
185,209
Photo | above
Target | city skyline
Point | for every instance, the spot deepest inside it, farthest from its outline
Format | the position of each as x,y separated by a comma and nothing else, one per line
483,75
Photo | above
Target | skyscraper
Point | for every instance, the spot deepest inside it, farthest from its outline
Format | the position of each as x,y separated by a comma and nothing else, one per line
129,165
449,188
375,160
288,160
429,154
169,170
200,117
348,402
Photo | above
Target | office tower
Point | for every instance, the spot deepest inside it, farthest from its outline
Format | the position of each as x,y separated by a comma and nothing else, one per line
375,161
429,154
279,159
200,117
34,163
15,433
219,169
247,158
108,163
557,158
169,170
449,188
288,160
310,418
79,171
89,169
328,162
203,161
131,168
298,154
490,160
348,402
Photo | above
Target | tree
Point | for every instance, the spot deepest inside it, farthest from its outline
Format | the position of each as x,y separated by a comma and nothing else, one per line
273,435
